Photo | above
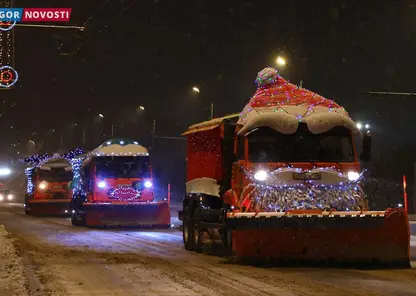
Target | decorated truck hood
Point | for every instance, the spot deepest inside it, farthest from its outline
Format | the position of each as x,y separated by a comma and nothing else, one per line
120,147
282,106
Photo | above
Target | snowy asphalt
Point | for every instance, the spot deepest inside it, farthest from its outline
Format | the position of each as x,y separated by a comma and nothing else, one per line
77,261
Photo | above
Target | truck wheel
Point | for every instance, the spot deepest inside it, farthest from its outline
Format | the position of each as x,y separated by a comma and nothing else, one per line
78,219
197,235
187,231
226,237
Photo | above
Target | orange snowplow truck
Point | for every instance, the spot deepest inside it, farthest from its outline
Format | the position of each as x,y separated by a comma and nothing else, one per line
113,186
281,181
48,190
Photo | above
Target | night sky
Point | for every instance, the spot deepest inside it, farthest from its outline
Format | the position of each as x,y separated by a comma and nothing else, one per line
151,53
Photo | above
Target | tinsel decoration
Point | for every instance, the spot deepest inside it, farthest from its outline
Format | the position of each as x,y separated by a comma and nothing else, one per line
343,196
348,197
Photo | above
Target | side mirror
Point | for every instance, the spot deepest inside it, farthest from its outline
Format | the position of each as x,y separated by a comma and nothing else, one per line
366,153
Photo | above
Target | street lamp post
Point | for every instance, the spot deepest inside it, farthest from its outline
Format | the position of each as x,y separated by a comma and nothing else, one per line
196,89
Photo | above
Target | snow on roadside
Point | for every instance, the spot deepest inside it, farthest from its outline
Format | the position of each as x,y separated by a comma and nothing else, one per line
12,280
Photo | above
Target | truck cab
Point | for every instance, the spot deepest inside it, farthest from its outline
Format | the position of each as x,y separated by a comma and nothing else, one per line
49,191
118,179
113,186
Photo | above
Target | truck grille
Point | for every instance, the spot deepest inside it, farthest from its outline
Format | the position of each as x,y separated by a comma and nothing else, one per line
60,195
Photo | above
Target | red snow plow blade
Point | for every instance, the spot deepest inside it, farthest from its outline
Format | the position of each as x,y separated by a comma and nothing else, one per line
346,238
156,214
47,207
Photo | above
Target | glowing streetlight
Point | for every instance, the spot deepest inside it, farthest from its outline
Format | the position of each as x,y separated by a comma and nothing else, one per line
281,61
195,89
141,108
102,116
359,125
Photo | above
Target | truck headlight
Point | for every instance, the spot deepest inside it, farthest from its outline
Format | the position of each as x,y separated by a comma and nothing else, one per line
1,197
10,196
353,176
148,184
261,175
101,184
43,185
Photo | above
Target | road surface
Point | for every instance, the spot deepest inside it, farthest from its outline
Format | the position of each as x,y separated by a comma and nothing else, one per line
60,259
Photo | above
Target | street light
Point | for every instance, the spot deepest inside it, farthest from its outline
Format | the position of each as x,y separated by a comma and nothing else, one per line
281,61
102,116
141,108
195,89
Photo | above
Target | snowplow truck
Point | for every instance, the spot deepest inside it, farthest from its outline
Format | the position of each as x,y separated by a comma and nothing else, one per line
48,189
113,187
280,181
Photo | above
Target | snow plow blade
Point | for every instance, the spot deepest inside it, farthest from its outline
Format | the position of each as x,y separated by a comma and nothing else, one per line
360,239
152,214
48,208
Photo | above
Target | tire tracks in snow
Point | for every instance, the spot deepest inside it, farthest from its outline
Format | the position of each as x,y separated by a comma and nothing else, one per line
80,261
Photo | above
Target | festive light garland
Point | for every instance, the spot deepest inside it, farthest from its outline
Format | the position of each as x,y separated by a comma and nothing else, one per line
76,183
30,186
8,75
73,153
125,193
345,196
36,161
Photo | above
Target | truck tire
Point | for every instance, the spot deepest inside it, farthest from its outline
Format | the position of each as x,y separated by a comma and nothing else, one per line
226,238
197,234
187,231
78,220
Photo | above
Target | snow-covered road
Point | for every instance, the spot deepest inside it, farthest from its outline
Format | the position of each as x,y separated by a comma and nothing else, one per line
77,261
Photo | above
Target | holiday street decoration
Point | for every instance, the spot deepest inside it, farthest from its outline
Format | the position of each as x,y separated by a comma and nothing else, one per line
8,75
7,25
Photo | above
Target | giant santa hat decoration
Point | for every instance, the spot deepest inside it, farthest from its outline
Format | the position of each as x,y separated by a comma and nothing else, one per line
282,106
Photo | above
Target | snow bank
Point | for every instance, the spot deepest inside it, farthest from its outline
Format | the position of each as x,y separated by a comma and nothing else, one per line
12,281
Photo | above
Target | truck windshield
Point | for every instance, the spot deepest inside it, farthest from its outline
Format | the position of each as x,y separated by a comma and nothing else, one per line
123,167
268,145
55,175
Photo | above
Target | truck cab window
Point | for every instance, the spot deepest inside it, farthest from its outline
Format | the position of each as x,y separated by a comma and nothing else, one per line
268,145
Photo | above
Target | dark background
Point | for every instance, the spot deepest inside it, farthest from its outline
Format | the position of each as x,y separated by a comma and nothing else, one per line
151,53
